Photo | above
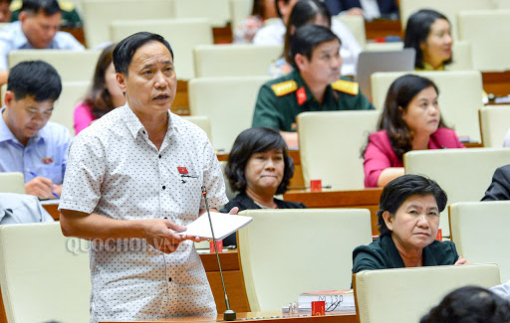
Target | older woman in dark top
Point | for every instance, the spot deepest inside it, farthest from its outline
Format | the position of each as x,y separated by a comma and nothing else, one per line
258,168
408,220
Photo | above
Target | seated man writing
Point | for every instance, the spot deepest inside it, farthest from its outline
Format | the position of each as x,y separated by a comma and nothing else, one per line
314,85
29,143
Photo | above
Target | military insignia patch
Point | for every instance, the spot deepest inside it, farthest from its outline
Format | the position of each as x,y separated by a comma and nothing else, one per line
284,88
348,87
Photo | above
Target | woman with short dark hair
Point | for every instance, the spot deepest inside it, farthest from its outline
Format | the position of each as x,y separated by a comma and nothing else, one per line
470,304
429,33
411,120
258,168
408,219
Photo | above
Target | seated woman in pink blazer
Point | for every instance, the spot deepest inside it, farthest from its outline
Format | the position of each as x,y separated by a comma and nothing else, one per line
411,120
103,96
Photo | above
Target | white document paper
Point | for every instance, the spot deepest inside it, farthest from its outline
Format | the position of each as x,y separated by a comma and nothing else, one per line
223,225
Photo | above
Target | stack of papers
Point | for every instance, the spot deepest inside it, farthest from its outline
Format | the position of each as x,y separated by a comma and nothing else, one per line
336,300
223,225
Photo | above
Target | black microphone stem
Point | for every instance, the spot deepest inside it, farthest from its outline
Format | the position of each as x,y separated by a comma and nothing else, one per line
228,315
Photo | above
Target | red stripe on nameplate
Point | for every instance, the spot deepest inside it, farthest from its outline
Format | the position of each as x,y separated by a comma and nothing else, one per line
182,170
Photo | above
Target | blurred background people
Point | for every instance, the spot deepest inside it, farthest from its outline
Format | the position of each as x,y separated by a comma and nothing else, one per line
37,28
5,11
261,10
104,94
408,219
370,9
274,34
411,120
304,12
499,189
70,16
259,168
470,304
429,33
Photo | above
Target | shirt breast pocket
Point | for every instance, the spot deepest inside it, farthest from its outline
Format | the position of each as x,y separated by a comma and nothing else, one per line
188,192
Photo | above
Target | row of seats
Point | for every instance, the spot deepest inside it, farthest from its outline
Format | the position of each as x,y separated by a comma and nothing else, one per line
46,276
338,163
479,22
223,99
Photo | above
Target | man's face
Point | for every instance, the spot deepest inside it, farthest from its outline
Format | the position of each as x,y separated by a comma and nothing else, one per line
5,12
25,117
151,81
39,28
324,66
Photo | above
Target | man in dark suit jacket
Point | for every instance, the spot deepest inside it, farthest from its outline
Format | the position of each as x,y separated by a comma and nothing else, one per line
387,8
499,190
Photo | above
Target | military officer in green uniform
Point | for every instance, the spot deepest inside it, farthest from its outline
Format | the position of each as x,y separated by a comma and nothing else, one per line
314,85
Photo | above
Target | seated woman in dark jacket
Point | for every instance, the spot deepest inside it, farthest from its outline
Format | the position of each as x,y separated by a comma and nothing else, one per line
408,220
258,168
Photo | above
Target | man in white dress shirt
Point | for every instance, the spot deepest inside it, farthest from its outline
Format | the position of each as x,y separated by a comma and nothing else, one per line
274,34
133,182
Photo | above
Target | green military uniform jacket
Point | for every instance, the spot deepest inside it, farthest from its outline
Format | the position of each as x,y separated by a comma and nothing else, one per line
70,17
383,254
281,100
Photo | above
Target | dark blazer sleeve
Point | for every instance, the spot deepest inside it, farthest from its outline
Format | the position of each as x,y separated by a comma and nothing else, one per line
440,254
334,6
500,187
364,258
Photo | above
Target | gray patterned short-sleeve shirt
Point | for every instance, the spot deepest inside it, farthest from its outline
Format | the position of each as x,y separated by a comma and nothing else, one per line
114,170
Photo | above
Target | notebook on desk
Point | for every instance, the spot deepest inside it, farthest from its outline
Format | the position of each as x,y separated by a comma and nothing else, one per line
383,61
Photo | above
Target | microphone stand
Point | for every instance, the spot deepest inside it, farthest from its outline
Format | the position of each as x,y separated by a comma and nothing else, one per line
228,315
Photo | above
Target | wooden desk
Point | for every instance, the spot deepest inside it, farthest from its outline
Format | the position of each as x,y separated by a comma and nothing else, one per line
365,199
52,209
382,28
223,35
497,83
266,317
234,281
180,105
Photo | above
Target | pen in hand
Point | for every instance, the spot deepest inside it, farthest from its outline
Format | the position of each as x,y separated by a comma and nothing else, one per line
35,175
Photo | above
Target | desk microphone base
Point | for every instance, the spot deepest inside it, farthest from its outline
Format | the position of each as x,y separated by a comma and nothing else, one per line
229,315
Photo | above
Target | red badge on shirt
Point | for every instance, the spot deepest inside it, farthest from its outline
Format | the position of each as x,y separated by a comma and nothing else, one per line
301,95
182,170
47,160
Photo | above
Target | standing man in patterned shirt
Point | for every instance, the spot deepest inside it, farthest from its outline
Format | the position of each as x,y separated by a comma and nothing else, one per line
134,181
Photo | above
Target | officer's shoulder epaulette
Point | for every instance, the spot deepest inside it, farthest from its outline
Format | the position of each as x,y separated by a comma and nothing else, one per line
66,5
284,88
15,5
348,87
